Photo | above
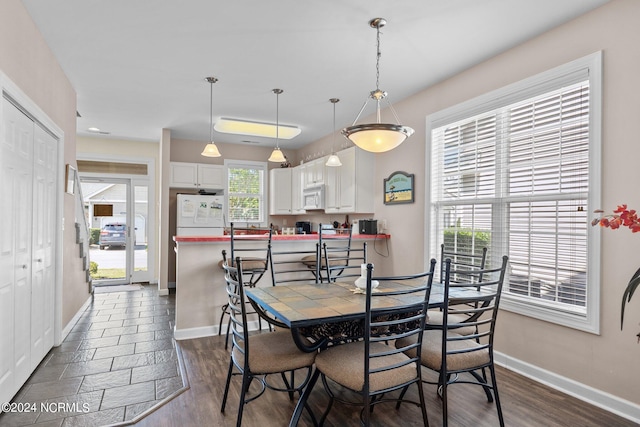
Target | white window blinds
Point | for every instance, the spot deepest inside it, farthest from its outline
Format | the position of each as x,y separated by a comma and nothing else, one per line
515,177
246,187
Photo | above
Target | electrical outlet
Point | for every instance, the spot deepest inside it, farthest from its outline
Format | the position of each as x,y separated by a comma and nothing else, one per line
382,226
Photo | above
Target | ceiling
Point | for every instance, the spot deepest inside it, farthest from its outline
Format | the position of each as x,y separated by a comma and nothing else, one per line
140,66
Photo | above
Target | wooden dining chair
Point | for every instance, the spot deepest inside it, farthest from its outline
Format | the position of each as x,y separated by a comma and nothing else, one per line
258,356
452,354
373,368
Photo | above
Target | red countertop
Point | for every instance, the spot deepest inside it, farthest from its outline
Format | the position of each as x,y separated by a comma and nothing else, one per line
275,237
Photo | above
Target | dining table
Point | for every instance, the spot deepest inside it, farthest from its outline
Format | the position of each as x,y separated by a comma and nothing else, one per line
304,306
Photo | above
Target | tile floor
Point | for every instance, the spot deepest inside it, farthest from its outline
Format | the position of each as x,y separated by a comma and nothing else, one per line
117,362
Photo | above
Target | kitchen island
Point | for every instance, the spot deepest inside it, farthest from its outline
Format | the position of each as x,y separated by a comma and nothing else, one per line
200,284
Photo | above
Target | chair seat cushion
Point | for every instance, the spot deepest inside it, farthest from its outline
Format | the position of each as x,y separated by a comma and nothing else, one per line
272,352
344,364
310,261
431,355
434,317
249,264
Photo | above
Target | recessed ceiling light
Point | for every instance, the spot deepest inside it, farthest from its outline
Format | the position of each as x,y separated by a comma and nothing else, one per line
245,127
96,130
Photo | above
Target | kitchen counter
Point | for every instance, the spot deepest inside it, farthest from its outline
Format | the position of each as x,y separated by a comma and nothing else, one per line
275,237
200,283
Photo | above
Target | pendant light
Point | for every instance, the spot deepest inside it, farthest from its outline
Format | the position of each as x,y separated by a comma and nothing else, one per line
377,137
276,154
333,159
210,150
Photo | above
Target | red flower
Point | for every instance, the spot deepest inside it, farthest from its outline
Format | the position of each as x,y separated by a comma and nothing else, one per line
621,216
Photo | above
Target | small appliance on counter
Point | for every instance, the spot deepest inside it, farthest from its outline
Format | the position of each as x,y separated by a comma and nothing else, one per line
303,227
368,226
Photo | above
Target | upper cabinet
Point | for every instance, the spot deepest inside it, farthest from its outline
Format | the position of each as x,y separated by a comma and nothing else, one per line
349,188
314,172
297,177
197,175
280,193
285,191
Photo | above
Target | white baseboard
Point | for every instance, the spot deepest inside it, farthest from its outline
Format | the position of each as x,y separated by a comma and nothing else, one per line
209,331
163,292
601,399
76,317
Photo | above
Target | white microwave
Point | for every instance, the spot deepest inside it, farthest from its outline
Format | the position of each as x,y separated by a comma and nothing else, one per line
313,198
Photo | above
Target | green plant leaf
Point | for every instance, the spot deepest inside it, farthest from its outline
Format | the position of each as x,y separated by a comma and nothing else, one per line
628,293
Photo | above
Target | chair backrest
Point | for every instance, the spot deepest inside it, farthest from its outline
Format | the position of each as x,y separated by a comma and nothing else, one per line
393,313
238,312
478,302
287,267
463,263
339,259
250,242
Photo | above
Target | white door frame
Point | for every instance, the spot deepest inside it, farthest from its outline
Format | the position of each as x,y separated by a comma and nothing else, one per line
149,180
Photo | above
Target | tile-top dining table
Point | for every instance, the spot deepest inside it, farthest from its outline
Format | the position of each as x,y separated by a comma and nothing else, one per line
314,304
304,305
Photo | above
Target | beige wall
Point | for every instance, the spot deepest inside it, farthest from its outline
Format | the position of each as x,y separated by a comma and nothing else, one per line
607,362
26,59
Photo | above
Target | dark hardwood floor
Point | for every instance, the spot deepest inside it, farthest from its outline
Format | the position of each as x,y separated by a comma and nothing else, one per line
525,403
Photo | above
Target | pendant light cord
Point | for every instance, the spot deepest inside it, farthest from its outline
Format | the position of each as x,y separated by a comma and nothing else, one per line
378,58
211,112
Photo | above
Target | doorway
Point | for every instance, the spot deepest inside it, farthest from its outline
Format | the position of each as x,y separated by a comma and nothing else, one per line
117,211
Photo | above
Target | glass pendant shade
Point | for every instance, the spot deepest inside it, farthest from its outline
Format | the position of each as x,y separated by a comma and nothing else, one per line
333,160
377,137
277,156
210,150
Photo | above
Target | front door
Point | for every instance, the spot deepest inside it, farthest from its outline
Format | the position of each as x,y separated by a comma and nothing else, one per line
107,203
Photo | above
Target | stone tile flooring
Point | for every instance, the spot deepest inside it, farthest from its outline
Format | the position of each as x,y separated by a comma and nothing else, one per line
118,362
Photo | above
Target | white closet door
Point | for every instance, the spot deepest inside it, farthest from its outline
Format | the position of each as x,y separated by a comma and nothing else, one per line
16,165
43,277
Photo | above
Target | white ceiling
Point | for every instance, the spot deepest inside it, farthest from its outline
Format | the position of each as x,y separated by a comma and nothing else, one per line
140,66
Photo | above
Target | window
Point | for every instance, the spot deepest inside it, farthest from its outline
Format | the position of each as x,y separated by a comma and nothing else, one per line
516,171
246,190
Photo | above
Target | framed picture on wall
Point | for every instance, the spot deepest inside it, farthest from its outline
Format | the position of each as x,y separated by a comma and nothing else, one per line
398,188
70,179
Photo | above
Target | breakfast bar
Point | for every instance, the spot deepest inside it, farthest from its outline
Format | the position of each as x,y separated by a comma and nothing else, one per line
200,291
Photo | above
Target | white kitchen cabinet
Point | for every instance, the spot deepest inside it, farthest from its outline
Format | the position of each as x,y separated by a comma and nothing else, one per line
297,176
196,175
280,194
314,172
349,188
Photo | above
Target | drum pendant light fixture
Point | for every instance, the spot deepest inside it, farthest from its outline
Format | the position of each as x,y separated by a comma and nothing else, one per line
210,150
333,159
276,154
377,137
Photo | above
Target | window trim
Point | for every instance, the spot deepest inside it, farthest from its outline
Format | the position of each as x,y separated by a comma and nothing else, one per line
589,67
248,164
